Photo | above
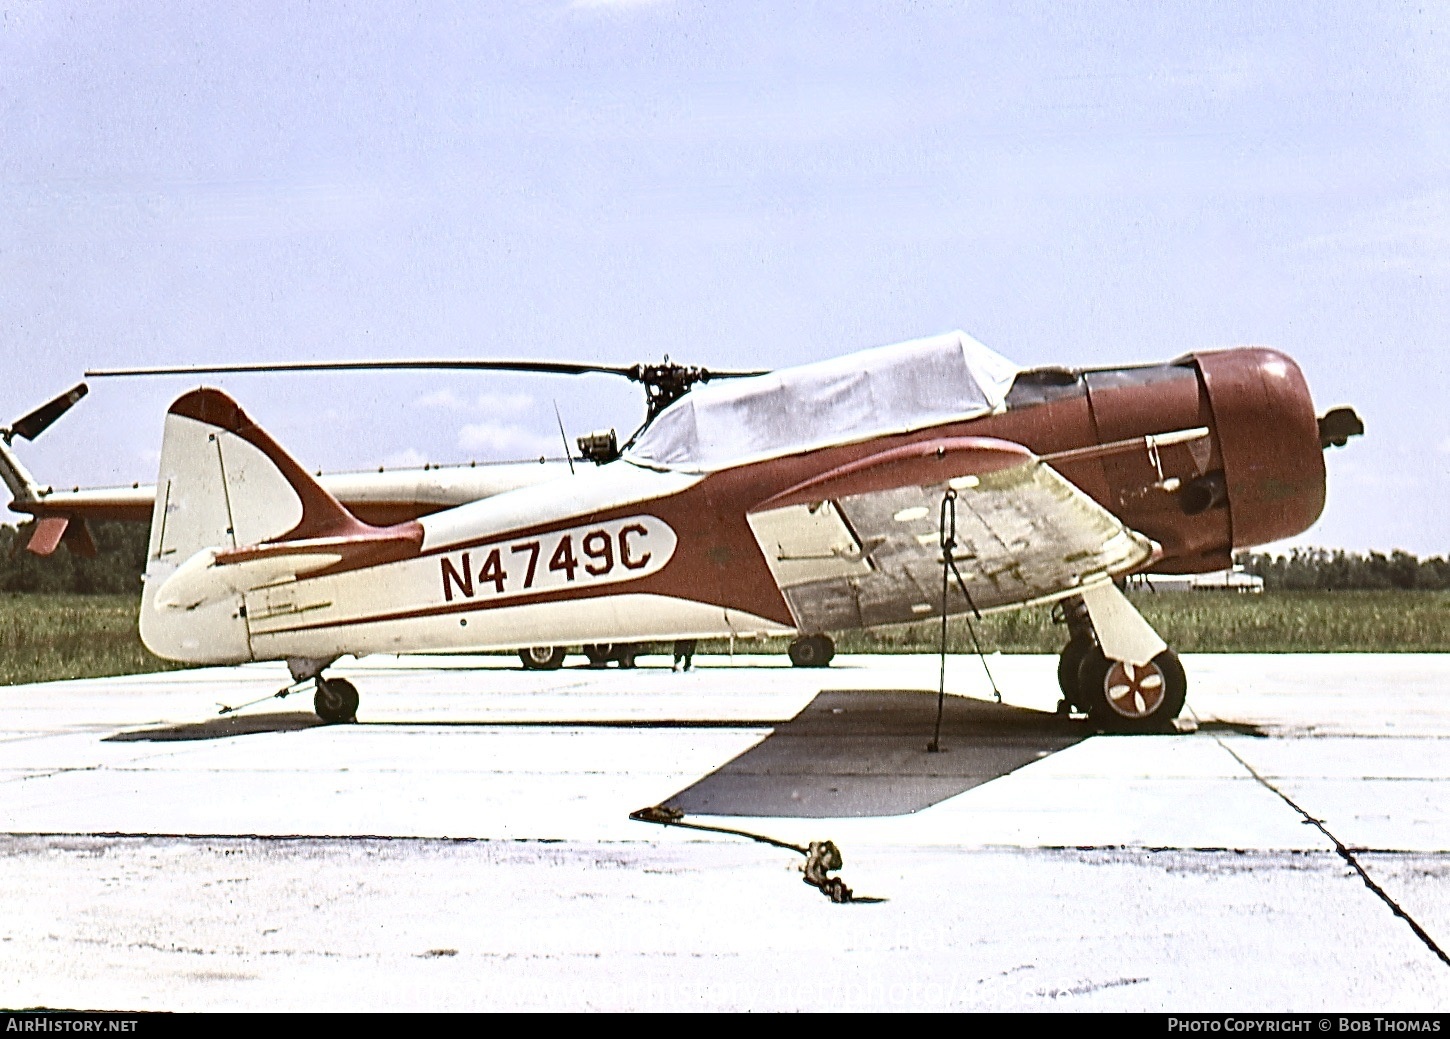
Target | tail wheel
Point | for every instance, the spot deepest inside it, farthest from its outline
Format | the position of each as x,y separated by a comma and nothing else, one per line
542,658
1124,697
336,700
812,651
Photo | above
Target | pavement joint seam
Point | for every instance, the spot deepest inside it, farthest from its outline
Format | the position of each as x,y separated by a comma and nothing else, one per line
51,773
1345,854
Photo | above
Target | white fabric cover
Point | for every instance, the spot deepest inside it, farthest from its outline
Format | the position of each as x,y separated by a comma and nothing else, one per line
889,389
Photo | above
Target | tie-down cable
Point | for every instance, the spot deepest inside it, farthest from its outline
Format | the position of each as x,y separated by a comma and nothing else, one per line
948,532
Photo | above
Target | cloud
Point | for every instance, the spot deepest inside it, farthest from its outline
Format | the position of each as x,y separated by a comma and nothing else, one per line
486,403
505,403
411,458
1445,446
501,431
442,400
507,441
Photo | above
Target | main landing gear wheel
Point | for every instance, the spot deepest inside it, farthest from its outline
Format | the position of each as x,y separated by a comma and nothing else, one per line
1123,697
542,658
335,700
599,655
622,653
812,651
1069,663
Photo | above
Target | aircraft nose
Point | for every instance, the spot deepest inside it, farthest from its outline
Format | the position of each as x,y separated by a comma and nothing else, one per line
1270,441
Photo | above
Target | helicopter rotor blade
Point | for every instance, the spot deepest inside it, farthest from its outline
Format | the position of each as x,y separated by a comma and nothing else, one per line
663,383
38,421
635,372
441,364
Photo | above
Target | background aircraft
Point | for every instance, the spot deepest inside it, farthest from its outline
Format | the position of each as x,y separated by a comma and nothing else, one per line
882,487
387,496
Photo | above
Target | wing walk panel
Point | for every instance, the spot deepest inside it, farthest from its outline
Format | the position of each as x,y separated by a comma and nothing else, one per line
1024,534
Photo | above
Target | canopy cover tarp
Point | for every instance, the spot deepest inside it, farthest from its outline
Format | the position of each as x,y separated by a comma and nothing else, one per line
889,389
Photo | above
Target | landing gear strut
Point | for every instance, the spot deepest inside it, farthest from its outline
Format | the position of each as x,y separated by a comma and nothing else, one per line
812,651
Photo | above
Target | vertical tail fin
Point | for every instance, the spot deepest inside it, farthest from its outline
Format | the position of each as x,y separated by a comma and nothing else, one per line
224,483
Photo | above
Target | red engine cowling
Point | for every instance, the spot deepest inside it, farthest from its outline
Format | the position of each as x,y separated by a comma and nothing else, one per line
1258,478
1264,423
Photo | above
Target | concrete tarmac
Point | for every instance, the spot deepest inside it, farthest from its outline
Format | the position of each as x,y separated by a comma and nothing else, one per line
467,845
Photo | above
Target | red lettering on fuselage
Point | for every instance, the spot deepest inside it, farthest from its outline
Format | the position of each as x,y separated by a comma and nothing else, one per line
624,554
613,551
451,577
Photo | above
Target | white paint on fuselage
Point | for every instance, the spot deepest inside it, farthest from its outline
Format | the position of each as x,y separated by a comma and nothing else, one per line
621,617
405,606
420,603
590,490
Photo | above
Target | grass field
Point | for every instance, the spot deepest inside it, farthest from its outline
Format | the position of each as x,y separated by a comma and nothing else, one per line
70,636
1215,622
46,637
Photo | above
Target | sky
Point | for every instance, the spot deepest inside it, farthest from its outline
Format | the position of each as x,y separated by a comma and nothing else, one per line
732,185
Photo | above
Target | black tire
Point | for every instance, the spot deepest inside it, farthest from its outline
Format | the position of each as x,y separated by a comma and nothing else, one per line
812,651
625,653
1069,663
599,655
543,658
336,700
1126,698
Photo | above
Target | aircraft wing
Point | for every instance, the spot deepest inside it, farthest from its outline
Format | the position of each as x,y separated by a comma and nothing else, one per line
861,545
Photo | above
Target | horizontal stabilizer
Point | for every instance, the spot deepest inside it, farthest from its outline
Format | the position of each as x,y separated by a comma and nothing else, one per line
48,532
53,531
211,575
201,579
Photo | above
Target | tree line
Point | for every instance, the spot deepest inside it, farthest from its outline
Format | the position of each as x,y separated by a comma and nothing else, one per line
117,566
1323,570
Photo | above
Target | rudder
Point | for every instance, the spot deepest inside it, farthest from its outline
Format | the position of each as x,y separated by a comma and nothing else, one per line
223,483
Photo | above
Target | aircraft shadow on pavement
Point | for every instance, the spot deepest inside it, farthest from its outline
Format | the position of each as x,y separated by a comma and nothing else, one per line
862,753
221,728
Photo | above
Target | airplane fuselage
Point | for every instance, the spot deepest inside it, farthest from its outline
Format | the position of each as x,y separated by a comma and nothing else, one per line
625,552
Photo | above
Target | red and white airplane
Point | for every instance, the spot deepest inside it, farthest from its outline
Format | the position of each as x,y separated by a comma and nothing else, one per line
821,498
